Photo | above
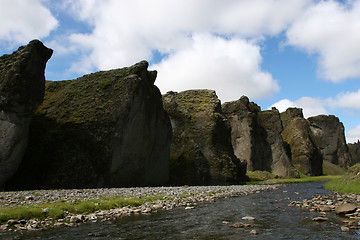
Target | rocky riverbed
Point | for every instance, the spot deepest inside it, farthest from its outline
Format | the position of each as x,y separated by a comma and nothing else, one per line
186,196
346,206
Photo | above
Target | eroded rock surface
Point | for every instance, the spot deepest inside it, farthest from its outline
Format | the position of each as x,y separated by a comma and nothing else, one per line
305,154
201,151
330,138
106,129
256,137
22,84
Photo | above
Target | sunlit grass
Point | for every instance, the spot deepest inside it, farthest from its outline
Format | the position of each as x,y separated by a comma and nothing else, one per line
344,186
59,209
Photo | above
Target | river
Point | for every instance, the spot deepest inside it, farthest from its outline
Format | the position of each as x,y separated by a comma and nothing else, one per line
273,220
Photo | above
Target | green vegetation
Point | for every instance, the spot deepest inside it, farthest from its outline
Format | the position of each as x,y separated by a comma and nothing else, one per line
332,169
58,210
344,186
263,177
306,179
349,183
256,176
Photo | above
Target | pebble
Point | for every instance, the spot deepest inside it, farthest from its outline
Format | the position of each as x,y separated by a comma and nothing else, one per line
347,205
253,232
172,197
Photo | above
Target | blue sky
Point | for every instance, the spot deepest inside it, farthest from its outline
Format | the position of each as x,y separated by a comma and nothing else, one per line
283,53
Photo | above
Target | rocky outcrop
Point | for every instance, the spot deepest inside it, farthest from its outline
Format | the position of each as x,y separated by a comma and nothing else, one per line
354,150
330,138
305,154
201,151
256,137
106,129
22,84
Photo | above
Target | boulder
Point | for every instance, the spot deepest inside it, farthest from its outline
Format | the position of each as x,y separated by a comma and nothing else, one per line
330,139
201,152
256,137
22,84
305,154
345,208
106,129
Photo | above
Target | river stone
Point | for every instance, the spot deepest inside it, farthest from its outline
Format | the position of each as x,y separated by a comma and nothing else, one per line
345,229
320,219
241,225
324,208
248,218
253,232
22,83
346,208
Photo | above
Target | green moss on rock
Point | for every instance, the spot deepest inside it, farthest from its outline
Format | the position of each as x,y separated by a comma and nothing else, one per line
201,151
103,129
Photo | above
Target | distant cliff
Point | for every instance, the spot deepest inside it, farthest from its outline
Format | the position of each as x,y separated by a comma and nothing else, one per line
104,129
256,138
354,150
201,151
330,138
305,154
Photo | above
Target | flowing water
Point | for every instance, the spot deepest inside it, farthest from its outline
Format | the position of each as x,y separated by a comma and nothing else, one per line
273,220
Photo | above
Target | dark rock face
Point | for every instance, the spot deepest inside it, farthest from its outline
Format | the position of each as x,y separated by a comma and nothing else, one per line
106,129
354,150
22,84
330,138
201,151
305,154
256,137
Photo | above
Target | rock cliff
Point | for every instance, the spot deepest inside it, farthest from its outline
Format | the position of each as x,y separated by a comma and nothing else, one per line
330,138
256,137
305,154
106,129
354,150
22,84
201,151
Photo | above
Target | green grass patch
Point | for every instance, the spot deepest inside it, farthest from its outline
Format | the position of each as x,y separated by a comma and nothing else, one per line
344,186
59,209
256,176
349,183
305,179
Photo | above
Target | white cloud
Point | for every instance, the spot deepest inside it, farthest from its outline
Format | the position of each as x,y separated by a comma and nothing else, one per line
22,21
310,106
125,32
347,100
331,30
353,135
231,67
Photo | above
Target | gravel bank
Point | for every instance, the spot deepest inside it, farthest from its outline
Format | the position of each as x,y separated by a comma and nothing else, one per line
345,205
186,196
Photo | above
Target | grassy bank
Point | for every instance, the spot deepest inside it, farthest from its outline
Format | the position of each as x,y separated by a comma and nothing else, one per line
58,210
349,183
263,177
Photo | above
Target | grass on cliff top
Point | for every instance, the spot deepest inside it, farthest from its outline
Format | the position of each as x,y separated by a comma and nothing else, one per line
59,209
349,183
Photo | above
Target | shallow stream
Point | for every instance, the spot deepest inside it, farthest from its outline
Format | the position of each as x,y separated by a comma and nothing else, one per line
273,220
